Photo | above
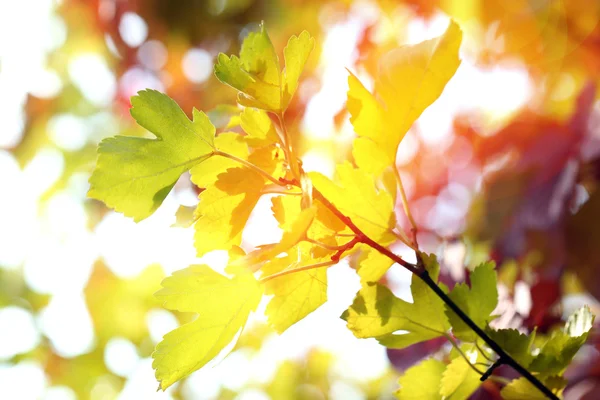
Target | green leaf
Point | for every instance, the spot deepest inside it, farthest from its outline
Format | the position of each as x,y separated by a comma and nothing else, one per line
478,302
377,313
522,389
223,306
559,350
295,295
295,53
422,381
256,73
133,175
515,343
459,380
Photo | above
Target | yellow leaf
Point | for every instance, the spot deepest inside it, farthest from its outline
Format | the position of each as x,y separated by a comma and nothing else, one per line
295,53
409,80
256,73
259,127
223,306
286,209
224,209
459,380
298,294
205,174
372,265
356,196
422,381
295,233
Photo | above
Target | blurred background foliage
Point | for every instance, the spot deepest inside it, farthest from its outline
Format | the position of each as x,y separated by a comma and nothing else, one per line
505,165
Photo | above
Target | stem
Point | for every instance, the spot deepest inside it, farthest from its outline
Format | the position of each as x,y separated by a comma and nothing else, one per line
491,369
405,204
289,151
464,356
294,270
250,165
424,275
325,245
505,357
360,235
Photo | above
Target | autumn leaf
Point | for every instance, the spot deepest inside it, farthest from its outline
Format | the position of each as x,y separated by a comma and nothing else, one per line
133,175
354,194
222,305
459,380
294,295
377,313
410,79
422,381
478,301
257,74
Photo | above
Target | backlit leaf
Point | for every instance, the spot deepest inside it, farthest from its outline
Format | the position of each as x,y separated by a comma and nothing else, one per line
257,75
556,354
522,389
354,194
295,295
478,302
459,380
376,312
223,306
422,382
410,79
133,175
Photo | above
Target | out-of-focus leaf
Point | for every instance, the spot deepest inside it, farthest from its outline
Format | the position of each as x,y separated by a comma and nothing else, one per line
556,354
515,343
222,304
422,381
409,80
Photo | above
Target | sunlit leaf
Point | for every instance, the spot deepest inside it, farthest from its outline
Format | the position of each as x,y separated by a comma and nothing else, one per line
422,382
556,354
354,194
257,75
133,175
295,295
205,173
259,128
478,301
376,312
522,389
409,80
372,265
459,380
223,306
224,209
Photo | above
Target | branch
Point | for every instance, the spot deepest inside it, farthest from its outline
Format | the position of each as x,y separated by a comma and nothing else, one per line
422,273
